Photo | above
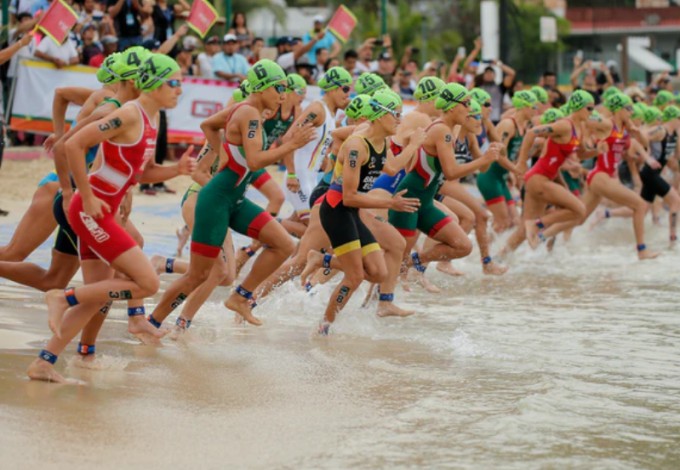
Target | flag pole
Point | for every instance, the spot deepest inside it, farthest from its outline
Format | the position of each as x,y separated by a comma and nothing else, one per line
383,17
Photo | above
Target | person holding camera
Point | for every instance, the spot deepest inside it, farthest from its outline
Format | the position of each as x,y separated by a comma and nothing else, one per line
589,81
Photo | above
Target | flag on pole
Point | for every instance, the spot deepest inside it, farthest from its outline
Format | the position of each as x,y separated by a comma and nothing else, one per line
342,23
58,21
202,17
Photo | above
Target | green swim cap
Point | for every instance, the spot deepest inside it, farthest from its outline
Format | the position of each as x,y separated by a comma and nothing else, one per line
564,109
428,88
131,60
663,97
264,74
381,103
474,108
335,77
358,107
295,82
617,101
671,112
579,100
551,115
540,94
639,110
155,71
451,95
652,114
369,83
611,91
108,72
523,99
242,92
480,95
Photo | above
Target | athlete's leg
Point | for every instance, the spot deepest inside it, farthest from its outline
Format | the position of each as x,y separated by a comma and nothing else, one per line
672,199
570,207
36,225
60,272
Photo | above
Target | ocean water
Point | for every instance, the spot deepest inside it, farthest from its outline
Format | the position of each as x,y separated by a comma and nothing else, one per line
570,360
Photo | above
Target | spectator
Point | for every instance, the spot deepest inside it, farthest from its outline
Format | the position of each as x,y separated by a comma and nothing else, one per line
385,68
258,44
19,35
487,82
39,5
164,17
290,51
306,70
230,65
61,55
350,62
321,58
365,54
16,7
186,62
404,84
125,15
146,24
602,79
204,59
90,15
245,37
548,80
329,64
589,82
327,41
89,47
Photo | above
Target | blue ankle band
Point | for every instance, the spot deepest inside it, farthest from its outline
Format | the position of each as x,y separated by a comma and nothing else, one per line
246,294
85,349
70,294
308,286
153,321
486,260
541,236
417,263
327,261
540,224
135,311
607,214
386,297
45,355
170,265
183,323
641,247
248,251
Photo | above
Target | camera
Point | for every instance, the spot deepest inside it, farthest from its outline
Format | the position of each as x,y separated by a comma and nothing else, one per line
378,42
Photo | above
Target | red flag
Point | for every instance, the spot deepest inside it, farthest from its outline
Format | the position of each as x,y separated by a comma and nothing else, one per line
58,21
202,17
342,23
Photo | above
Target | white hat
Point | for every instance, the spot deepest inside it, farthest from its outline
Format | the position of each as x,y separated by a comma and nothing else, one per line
319,19
229,37
190,42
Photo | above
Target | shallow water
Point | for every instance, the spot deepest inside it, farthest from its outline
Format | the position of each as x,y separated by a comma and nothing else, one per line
571,360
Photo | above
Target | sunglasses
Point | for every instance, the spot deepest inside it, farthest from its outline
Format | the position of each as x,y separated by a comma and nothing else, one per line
477,117
395,114
279,88
590,108
344,88
487,104
174,83
628,108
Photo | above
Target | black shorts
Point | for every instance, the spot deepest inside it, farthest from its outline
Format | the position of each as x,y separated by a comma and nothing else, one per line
317,192
345,229
653,184
66,241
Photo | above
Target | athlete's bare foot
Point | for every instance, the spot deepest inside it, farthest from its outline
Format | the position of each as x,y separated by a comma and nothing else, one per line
314,262
598,217
144,331
388,309
43,370
426,284
182,239
447,268
494,269
371,295
56,307
403,278
551,244
243,307
647,254
158,263
532,236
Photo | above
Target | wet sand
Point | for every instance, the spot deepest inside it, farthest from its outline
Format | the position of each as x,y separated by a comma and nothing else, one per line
569,361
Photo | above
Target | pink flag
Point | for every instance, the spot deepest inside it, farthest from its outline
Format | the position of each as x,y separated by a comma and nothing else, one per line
58,21
342,23
202,17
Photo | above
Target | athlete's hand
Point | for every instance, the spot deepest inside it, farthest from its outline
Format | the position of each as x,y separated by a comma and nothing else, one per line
521,170
417,137
404,204
95,207
25,39
293,184
126,206
187,163
49,142
300,136
653,164
493,153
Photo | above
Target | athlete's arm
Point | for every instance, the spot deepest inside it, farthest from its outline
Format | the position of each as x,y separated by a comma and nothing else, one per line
656,133
353,155
154,173
491,131
206,157
557,130
122,125
394,164
443,139
246,125
476,152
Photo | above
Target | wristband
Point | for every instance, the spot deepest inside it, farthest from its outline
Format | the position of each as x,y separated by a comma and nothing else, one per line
291,176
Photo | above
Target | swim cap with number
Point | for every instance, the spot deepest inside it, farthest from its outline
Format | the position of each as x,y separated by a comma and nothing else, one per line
523,99
335,77
663,97
551,115
369,83
358,107
617,101
428,88
131,60
611,91
382,103
295,82
451,95
108,73
265,74
155,71
480,95
579,100
540,94
670,113
639,111
242,92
